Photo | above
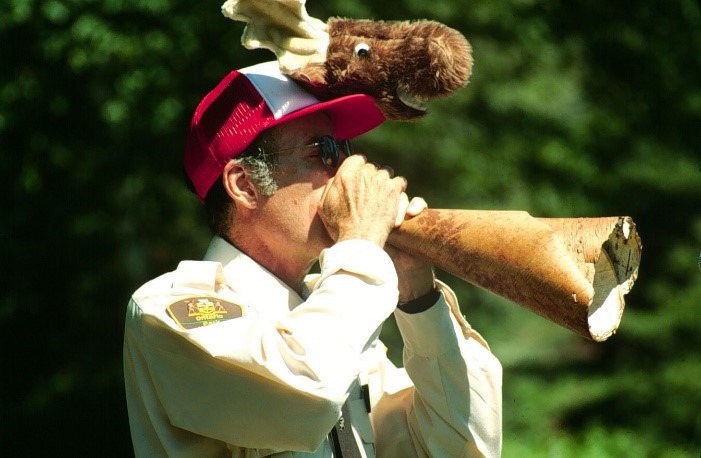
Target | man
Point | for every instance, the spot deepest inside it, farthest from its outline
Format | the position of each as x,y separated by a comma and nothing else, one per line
244,354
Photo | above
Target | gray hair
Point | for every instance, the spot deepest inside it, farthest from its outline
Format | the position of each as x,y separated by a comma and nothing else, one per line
260,166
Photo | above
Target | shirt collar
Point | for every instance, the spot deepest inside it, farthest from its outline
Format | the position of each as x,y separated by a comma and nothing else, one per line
257,285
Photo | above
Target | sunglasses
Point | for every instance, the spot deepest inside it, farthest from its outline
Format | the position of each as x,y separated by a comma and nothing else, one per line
330,150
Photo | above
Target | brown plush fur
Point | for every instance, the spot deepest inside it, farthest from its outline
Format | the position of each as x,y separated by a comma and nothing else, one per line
424,59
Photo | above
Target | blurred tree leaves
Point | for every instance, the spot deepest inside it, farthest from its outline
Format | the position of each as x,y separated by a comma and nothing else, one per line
574,109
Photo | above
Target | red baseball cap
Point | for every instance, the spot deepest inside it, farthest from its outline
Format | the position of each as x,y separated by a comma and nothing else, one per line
247,102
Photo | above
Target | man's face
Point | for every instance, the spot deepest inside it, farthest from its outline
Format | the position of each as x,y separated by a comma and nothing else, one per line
290,213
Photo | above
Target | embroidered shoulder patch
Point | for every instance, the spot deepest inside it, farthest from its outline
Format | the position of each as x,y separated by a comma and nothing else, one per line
195,312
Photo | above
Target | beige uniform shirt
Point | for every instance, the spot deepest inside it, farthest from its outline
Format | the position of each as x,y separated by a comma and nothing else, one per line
223,359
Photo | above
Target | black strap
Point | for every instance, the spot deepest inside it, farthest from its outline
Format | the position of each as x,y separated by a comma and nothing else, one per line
420,304
341,437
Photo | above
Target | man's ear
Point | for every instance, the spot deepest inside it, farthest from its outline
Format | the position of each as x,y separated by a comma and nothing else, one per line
239,187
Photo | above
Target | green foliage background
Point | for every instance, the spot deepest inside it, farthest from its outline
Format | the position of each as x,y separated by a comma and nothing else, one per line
575,108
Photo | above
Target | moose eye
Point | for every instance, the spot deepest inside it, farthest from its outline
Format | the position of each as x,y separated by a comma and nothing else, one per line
362,50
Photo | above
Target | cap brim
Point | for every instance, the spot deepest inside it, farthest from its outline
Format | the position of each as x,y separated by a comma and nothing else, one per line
351,115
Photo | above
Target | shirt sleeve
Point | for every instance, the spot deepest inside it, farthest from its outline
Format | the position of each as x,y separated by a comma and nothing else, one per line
265,381
447,399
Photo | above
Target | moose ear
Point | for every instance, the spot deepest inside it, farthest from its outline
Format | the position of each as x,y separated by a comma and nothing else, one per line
311,75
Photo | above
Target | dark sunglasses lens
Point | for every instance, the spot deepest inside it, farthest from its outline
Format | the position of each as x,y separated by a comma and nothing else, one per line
347,147
329,151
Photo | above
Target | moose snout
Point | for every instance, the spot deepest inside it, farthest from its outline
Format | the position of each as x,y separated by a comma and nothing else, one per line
451,62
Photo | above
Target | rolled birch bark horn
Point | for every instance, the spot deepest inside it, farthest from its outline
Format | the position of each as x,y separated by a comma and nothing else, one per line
572,271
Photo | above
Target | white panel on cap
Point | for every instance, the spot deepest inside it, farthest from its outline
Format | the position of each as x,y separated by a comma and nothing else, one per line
282,95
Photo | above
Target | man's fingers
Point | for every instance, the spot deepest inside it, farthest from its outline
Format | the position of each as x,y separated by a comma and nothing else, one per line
401,182
409,209
402,209
416,206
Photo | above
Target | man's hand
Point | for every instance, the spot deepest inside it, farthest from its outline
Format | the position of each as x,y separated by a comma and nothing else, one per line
362,202
365,202
416,277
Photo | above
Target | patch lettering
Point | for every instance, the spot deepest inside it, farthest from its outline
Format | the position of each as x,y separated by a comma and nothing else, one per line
195,312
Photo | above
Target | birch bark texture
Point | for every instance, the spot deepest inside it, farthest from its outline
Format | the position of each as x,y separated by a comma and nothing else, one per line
572,271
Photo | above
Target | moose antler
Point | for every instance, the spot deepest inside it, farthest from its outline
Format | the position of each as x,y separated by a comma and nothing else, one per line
283,27
401,64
